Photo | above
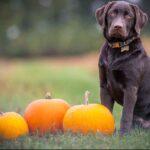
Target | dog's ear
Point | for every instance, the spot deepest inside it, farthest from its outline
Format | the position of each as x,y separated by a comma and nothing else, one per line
101,13
141,18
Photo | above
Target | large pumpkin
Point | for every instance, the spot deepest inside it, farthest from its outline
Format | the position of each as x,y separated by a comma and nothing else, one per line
46,115
88,118
12,125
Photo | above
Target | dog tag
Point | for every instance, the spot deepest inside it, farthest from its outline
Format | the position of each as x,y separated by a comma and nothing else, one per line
125,48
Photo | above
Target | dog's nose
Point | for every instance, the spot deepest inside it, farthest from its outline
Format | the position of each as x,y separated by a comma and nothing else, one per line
118,27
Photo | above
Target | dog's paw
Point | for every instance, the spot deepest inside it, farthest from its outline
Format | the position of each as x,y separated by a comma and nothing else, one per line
123,132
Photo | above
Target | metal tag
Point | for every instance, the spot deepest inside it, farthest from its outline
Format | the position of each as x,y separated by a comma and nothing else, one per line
125,48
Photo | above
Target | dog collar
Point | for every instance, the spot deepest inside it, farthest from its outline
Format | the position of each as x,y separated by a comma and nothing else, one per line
123,45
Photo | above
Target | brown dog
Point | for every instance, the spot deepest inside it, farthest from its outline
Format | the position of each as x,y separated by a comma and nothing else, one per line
124,66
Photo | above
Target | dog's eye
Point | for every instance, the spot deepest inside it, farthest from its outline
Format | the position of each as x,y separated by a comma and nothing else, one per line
127,16
112,14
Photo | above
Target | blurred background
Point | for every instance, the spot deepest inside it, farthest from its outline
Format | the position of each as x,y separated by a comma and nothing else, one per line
30,28
51,45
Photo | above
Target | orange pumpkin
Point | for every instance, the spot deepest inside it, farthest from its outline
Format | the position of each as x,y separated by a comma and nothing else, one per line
45,115
89,118
12,125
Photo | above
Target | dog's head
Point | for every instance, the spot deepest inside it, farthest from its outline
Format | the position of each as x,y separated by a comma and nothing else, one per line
121,20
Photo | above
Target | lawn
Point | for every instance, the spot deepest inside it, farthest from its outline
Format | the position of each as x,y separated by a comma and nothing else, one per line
22,81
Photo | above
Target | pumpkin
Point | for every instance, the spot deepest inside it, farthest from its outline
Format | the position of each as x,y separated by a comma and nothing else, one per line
89,118
46,115
12,125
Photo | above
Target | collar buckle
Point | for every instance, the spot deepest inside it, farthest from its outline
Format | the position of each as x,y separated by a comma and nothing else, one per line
116,45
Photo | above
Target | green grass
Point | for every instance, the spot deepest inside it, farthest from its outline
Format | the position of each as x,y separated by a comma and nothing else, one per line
25,81
137,140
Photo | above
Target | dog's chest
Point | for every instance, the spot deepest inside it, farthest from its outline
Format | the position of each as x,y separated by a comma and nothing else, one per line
115,74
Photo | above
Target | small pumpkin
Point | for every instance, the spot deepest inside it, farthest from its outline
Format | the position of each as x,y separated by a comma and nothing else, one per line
89,118
46,115
12,125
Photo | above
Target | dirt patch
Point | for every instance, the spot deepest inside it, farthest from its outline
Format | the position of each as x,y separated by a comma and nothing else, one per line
6,68
146,44
88,61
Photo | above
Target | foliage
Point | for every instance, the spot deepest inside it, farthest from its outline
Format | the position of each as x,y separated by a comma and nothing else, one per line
50,27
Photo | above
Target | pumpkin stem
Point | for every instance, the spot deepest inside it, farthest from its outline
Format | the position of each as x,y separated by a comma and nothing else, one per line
48,95
86,97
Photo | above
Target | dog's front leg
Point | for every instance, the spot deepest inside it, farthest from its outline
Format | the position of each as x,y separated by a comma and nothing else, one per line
130,98
106,98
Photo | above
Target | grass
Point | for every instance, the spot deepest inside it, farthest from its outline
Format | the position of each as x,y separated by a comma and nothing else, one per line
70,141
23,81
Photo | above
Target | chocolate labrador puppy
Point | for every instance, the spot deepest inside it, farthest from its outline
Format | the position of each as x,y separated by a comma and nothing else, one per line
124,66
